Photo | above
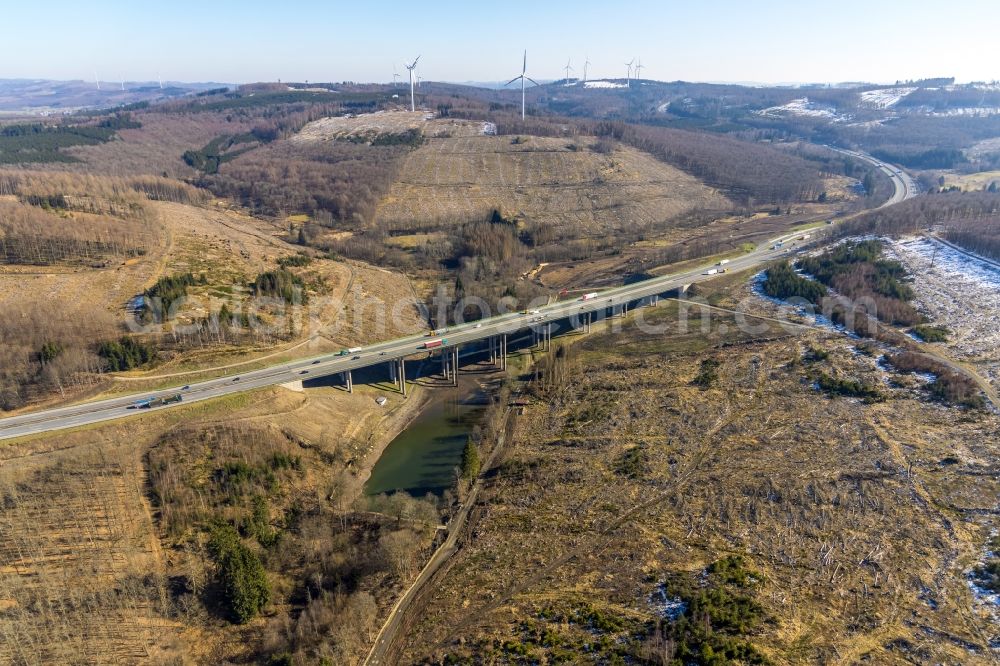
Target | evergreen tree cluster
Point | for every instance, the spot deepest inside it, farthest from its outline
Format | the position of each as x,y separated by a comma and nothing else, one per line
280,284
241,576
784,283
126,353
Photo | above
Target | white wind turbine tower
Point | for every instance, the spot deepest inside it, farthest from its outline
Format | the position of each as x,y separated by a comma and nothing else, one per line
638,69
628,75
395,77
586,64
523,77
413,104
160,80
97,79
568,69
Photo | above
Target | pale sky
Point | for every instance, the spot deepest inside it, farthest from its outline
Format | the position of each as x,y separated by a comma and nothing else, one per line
769,41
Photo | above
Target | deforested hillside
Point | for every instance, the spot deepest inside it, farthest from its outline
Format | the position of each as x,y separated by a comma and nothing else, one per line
716,495
560,190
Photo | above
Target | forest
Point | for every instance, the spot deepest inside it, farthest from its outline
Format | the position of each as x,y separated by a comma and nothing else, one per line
336,181
748,173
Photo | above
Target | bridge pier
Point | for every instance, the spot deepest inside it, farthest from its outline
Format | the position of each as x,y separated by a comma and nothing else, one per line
454,367
503,351
348,380
402,376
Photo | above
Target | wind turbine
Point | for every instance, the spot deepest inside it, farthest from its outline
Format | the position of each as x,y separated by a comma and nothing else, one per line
586,64
123,84
628,75
97,79
638,69
419,79
395,77
523,77
413,104
568,69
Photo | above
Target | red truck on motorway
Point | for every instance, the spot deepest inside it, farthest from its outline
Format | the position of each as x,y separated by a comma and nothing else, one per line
432,344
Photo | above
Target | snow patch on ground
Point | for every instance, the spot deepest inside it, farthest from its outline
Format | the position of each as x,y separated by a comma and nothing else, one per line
959,292
972,111
987,599
798,314
603,84
802,107
488,129
884,98
670,608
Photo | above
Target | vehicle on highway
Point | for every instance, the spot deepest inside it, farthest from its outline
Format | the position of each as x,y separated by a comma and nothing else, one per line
140,403
355,358
479,325
186,387
723,262
587,297
316,362
236,379
433,344
304,372
711,271
381,353
534,312
436,331
348,351
160,402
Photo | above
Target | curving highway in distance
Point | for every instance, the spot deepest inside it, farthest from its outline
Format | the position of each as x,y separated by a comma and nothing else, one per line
60,418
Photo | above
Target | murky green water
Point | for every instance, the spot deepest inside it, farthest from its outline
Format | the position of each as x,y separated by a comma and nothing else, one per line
422,459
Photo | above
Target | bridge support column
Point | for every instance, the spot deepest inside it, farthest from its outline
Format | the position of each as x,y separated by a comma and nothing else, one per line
454,367
503,351
348,380
624,310
444,363
402,376
548,336
392,373
492,346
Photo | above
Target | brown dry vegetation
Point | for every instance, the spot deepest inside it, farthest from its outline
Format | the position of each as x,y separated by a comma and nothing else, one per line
560,190
104,531
661,455
157,146
81,571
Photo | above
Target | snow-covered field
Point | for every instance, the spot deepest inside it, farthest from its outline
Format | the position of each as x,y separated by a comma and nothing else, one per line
802,107
884,98
974,111
958,292
603,84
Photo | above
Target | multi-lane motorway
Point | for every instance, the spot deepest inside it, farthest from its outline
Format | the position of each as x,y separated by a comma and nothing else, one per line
125,406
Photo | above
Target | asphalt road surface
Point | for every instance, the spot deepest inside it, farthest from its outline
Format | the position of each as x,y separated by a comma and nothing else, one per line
124,406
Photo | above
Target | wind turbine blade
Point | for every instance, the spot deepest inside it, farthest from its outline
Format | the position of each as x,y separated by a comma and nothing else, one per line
524,69
531,79
513,79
